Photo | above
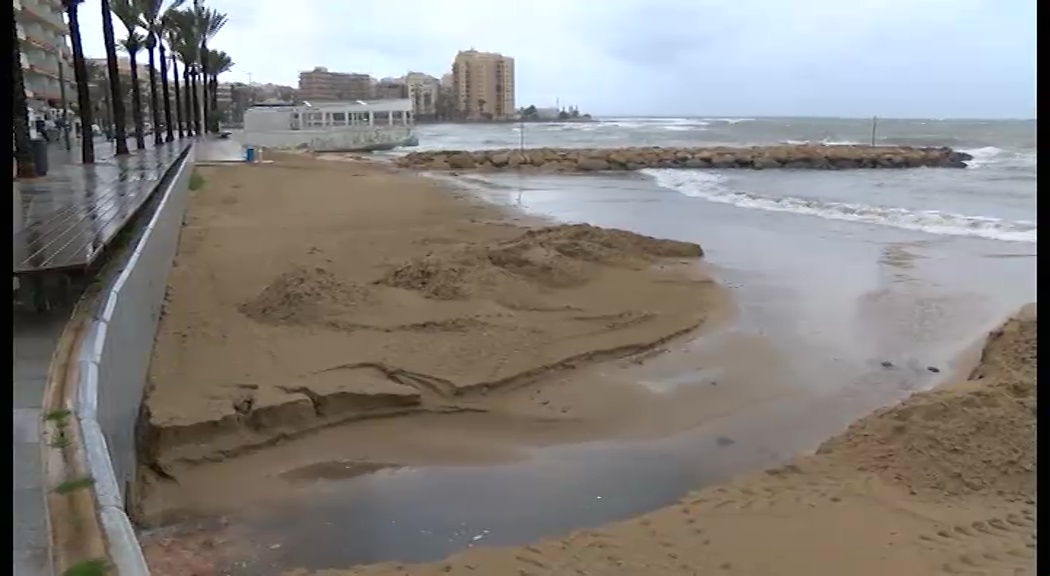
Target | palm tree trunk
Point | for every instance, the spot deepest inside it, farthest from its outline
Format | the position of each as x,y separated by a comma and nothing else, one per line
153,107
196,103
136,100
80,73
119,114
204,83
187,99
20,117
167,95
215,102
178,99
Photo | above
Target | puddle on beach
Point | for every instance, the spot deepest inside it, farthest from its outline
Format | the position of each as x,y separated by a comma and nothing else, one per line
338,512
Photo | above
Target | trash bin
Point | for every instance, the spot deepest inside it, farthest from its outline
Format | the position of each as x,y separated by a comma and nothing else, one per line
249,154
39,148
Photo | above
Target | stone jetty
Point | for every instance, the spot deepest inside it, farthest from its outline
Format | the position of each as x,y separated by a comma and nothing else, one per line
802,157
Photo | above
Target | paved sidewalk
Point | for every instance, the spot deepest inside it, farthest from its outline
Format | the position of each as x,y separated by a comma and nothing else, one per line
35,336
219,150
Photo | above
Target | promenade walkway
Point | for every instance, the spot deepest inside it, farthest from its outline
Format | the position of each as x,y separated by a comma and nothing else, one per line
76,196
65,219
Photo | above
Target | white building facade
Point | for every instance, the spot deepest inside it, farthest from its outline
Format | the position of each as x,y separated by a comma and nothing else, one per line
331,126
46,57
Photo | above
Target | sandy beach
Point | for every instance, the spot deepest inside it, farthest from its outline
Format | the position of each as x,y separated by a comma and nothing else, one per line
331,319
943,483
307,294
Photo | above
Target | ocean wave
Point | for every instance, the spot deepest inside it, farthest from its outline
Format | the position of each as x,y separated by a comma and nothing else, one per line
730,120
685,128
710,186
988,156
824,142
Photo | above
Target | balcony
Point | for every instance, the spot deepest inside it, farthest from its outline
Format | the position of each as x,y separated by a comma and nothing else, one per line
44,15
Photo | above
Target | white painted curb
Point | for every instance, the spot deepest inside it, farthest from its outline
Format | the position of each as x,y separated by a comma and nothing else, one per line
124,548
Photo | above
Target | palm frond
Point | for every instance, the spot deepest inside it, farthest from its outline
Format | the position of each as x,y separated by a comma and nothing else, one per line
133,42
128,12
209,22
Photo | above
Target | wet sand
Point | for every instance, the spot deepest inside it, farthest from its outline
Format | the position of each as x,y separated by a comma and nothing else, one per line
327,486
309,294
943,483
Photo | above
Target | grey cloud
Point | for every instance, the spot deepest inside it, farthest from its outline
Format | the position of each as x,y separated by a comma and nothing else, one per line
705,57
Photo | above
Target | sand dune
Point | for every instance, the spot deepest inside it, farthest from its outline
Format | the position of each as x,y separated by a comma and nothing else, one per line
943,483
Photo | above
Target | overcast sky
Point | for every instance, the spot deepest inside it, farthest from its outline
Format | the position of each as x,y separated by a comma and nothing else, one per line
892,58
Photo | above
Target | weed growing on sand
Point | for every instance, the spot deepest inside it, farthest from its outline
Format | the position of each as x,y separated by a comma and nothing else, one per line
196,181
57,415
74,484
94,567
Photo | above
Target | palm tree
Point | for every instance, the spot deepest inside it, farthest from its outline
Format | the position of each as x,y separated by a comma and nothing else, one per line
218,63
181,26
130,14
119,114
172,36
154,16
151,43
186,43
20,117
178,99
209,23
80,73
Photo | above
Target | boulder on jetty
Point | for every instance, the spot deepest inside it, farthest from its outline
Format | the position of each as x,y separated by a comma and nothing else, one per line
805,156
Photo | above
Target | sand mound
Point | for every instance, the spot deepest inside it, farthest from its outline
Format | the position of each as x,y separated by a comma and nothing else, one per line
606,245
555,257
974,437
303,296
447,276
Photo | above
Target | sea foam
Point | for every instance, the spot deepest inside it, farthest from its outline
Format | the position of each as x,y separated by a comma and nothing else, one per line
712,187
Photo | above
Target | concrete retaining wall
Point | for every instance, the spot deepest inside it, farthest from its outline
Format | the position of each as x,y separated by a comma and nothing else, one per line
114,360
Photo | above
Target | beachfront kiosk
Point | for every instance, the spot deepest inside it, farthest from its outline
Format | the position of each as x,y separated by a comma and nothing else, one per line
331,126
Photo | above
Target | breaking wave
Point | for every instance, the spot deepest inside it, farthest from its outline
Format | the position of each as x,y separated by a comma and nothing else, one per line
711,186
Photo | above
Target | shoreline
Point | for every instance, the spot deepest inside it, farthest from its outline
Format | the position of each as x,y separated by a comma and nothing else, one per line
884,508
498,456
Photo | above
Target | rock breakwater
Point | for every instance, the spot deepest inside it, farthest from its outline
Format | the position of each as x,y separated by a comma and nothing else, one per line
803,157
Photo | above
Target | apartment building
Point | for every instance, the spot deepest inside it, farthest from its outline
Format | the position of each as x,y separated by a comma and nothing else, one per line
483,83
46,58
320,84
423,90
123,68
391,89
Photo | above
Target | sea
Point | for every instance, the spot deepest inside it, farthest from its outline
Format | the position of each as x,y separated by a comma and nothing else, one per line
870,283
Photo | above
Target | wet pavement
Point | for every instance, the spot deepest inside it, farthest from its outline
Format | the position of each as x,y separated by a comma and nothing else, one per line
35,336
219,151
65,219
